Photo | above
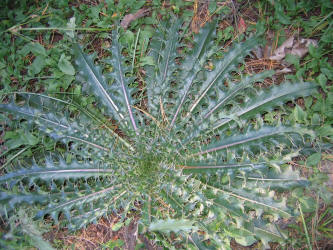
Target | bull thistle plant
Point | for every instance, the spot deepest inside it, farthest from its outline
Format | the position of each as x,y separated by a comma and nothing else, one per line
193,156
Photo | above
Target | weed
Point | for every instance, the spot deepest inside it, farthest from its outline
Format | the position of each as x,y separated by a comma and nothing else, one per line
161,164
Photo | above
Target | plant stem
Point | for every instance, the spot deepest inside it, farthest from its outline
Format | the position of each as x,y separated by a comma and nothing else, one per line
135,45
305,228
62,28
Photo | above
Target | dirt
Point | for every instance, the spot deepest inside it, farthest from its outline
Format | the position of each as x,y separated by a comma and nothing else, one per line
100,236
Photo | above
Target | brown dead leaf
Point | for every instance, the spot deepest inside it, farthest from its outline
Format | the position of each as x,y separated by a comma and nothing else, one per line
301,48
241,25
131,17
285,70
292,46
280,52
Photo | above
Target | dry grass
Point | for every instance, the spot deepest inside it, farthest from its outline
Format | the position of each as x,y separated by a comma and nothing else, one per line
97,235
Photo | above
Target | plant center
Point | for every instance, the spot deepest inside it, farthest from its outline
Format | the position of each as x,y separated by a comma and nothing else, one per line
148,165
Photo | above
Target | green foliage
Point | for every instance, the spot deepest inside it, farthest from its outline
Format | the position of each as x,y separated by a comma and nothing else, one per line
170,225
113,244
197,160
24,233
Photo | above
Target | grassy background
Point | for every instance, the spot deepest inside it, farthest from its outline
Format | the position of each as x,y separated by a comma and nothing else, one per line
35,56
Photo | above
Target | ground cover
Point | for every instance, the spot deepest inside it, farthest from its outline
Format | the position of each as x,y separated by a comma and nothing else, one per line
39,59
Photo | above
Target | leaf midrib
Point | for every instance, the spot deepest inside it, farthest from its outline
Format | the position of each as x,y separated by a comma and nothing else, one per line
242,141
104,92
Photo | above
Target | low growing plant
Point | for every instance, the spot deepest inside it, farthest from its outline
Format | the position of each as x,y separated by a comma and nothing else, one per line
194,156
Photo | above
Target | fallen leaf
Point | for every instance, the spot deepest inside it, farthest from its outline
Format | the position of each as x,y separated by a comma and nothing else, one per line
283,71
131,17
302,47
280,52
291,46
241,25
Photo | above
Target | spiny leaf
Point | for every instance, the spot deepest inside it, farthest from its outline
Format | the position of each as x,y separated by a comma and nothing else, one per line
191,66
59,128
258,103
171,225
252,136
222,69
164,45
77,200
268,232
121,80
96,81
236,89
53,171
222,168
269,99
8,200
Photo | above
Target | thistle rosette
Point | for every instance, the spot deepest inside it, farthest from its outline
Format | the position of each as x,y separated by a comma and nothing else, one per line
197,159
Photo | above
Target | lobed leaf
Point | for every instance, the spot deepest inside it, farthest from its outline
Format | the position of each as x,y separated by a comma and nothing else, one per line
93,77
164,51
267,100
222,69
191,66
121,84
171,225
